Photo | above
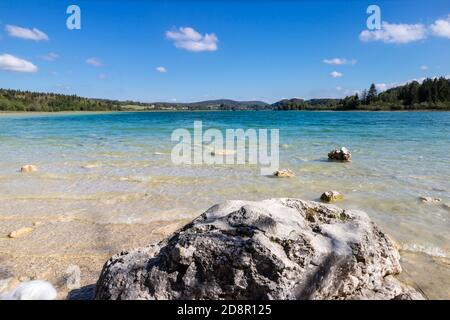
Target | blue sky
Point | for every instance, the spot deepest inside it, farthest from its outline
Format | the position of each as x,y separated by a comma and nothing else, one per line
242,50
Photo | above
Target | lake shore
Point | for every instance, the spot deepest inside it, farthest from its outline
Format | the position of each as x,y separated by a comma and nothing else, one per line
13,113
56,243
105,182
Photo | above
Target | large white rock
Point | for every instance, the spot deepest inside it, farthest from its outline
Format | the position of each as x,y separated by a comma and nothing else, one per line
272,249
31,290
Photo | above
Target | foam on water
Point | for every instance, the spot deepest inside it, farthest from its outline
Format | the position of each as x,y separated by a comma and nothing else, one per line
431,251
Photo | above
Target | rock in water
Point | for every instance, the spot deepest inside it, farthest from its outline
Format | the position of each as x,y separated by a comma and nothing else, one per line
331,196
72,276
430,200
28,168
20,232
285,173
272,249
222,152
340,155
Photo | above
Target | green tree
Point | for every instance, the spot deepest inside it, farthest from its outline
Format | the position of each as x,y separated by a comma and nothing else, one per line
371,94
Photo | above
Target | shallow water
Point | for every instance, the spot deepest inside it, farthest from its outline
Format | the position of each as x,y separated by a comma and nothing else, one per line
116,168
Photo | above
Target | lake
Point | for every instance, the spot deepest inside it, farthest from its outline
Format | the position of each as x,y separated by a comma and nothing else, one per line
115,168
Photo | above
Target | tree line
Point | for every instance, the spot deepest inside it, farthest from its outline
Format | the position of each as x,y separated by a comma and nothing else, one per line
431,94
16,100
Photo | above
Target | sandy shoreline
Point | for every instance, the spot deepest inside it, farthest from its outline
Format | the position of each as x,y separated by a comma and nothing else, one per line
58,243
54,245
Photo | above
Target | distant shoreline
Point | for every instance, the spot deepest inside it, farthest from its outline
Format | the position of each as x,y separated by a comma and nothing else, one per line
198,111
429,95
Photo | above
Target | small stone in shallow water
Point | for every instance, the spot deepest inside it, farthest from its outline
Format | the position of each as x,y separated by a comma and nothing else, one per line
28,168
222,152
285,173
331,196
20,232
72,276
430,200
340,155
91,166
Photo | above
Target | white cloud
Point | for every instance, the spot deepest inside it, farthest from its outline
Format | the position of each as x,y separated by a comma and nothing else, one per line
102,76
24,33
189,39
62,86
339,88
387,86
51,56
94,62
441,28
339,61
424,67
382,86
12,63
161,69
336,74
395,33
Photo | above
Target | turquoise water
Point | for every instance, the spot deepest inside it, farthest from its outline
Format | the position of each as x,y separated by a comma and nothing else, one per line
116,167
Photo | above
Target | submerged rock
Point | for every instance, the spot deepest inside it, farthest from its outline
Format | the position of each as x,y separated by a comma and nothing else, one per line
20,232
72,276
28,168
222,152
272,249
342,154
284,173
331,196
430,200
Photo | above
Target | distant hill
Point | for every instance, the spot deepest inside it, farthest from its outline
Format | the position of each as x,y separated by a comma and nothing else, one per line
17,100
430,94
220,104
312,104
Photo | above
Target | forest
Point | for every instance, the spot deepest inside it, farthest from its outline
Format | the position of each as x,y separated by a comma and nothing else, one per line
430,94
16,100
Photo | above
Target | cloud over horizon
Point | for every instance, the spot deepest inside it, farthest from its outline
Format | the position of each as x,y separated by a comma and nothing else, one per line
395,33
161,69
336,74
51,56
11,63
94,62
441,27
189,39
24,33
339,61
405,33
